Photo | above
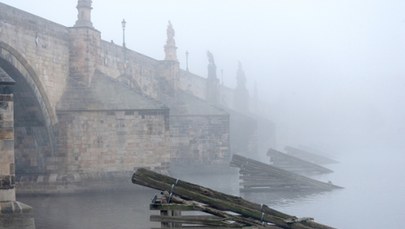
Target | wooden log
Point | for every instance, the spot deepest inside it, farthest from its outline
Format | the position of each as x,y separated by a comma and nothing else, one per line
204,227
240,221
212,198
284,186
267,182
219,200
172,207
192,219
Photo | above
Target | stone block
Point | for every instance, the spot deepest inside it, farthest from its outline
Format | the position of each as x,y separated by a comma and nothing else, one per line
7,182
6,98
7,133
53,178
6,124
7,195
40,179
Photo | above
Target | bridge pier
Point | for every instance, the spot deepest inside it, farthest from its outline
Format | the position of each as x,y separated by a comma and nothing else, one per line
13,214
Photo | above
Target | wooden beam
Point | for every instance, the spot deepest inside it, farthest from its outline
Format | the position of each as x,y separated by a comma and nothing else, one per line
192,219
172,207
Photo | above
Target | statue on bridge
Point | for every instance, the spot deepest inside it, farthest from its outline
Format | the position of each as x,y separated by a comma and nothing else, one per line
170,32
212,93
170,47
210,58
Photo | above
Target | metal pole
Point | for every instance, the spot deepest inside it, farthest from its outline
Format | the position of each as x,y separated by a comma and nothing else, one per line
187,60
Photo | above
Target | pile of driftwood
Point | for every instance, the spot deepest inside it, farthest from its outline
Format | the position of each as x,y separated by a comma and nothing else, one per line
257,176
223,210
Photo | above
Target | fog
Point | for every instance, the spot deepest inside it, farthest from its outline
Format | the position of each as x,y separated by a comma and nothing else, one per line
328,73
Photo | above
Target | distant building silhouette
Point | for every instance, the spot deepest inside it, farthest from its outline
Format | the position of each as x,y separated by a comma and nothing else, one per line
241,96
212,94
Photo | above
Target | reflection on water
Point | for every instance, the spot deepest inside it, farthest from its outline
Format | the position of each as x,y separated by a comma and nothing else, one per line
373,194
118,210
372,187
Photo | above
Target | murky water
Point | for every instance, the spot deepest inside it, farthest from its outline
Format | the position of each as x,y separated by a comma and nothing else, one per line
118,210
373,198
374,194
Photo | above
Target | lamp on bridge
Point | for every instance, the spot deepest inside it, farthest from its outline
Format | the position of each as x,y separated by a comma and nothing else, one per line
187,60
123,23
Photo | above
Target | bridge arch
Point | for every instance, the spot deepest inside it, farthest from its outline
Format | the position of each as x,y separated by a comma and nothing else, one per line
34,117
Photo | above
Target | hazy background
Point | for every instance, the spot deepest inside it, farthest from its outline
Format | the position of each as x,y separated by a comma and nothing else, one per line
331,72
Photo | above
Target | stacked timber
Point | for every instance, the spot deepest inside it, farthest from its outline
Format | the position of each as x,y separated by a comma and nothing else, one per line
256,176
224,211
308,156
294,164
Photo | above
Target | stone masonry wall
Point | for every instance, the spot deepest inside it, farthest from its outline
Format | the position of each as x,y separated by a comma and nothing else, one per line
243,142
112,141
197,86
135,69
200,138
193,84
42,43
13,214
84,54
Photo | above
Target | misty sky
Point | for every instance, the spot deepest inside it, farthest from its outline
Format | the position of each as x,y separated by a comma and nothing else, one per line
331,71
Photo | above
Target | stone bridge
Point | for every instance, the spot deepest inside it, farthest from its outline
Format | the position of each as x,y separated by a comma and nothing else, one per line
85,107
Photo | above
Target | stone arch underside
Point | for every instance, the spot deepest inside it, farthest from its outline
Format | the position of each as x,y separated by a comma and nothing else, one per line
33,116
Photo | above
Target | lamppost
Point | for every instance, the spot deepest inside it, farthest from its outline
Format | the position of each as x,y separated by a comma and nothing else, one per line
123,23
222,76
187,60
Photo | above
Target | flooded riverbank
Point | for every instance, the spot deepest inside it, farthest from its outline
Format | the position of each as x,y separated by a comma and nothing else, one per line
373,186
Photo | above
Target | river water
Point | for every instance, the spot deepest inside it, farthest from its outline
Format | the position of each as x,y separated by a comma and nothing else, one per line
373,197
